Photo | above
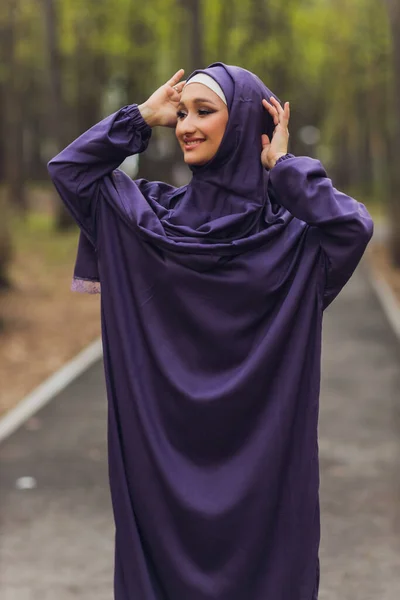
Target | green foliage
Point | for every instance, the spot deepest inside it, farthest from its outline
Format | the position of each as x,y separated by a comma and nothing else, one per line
330,58
36,233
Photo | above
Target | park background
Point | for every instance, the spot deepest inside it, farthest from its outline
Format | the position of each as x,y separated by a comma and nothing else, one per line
65,64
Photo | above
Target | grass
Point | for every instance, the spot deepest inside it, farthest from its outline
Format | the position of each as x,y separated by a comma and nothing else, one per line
36,234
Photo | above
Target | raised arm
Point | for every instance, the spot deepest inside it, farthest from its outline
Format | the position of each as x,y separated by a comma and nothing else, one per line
100,150
79,170
301,185
345,227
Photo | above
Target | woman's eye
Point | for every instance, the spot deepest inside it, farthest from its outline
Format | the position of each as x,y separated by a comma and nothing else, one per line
202,113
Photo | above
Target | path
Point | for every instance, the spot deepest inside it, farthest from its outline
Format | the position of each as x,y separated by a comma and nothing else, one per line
56,539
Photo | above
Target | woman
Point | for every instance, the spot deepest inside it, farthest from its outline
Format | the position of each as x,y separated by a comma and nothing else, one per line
212,303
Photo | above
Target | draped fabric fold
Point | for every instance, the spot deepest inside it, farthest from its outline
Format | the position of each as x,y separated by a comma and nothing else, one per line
212,298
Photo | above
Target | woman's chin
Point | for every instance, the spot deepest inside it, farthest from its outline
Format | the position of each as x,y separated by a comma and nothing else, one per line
191,159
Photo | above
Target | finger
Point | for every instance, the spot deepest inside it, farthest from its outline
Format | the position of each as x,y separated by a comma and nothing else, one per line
272,111
175,78
268,105
174,92
179,86
287,113
265,141
282,113
171,92
284,116
277,105
274,114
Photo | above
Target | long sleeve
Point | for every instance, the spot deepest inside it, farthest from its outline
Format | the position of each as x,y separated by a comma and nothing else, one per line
80,169
301,185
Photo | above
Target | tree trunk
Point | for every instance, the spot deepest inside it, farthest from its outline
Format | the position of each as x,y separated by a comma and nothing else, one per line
5,246
196,48
226,20
34,99
393,7
14,159
56,102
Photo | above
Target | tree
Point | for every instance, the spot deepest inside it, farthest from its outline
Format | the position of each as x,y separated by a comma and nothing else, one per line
56,119
331,75
393,7
5,245
13,109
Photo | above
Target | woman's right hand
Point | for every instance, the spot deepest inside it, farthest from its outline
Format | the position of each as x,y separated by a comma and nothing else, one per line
161,107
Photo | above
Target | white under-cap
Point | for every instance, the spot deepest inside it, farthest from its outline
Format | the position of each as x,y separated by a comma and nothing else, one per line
209,82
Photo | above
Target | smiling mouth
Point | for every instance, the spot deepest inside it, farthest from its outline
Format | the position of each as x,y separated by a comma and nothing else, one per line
192,145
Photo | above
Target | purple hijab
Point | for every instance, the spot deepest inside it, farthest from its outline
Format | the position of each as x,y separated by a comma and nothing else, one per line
212,299
226,203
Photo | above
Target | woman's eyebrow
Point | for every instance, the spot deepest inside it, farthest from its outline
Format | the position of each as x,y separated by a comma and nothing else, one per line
198,101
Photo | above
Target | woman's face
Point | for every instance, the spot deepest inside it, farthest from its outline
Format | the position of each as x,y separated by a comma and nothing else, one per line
202,119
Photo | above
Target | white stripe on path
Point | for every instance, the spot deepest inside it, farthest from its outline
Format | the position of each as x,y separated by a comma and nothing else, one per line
32,403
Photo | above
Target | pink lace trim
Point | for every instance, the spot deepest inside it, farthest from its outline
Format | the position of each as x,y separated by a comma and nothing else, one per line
85,286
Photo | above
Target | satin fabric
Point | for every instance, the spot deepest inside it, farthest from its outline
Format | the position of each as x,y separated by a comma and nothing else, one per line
212,300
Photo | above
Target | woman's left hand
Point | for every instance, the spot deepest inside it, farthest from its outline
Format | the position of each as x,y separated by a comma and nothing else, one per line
272,150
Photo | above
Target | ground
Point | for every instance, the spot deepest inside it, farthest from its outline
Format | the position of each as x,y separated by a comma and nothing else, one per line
57,534
379,260
44,324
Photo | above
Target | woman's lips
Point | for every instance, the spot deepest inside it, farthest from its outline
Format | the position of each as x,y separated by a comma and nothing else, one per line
192,145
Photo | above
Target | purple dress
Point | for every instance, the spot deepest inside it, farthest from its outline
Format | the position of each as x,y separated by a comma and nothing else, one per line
212,298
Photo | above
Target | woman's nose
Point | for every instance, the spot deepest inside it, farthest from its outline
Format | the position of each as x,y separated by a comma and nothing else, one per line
188,125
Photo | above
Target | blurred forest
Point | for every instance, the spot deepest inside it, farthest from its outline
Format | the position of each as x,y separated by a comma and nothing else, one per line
64,64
